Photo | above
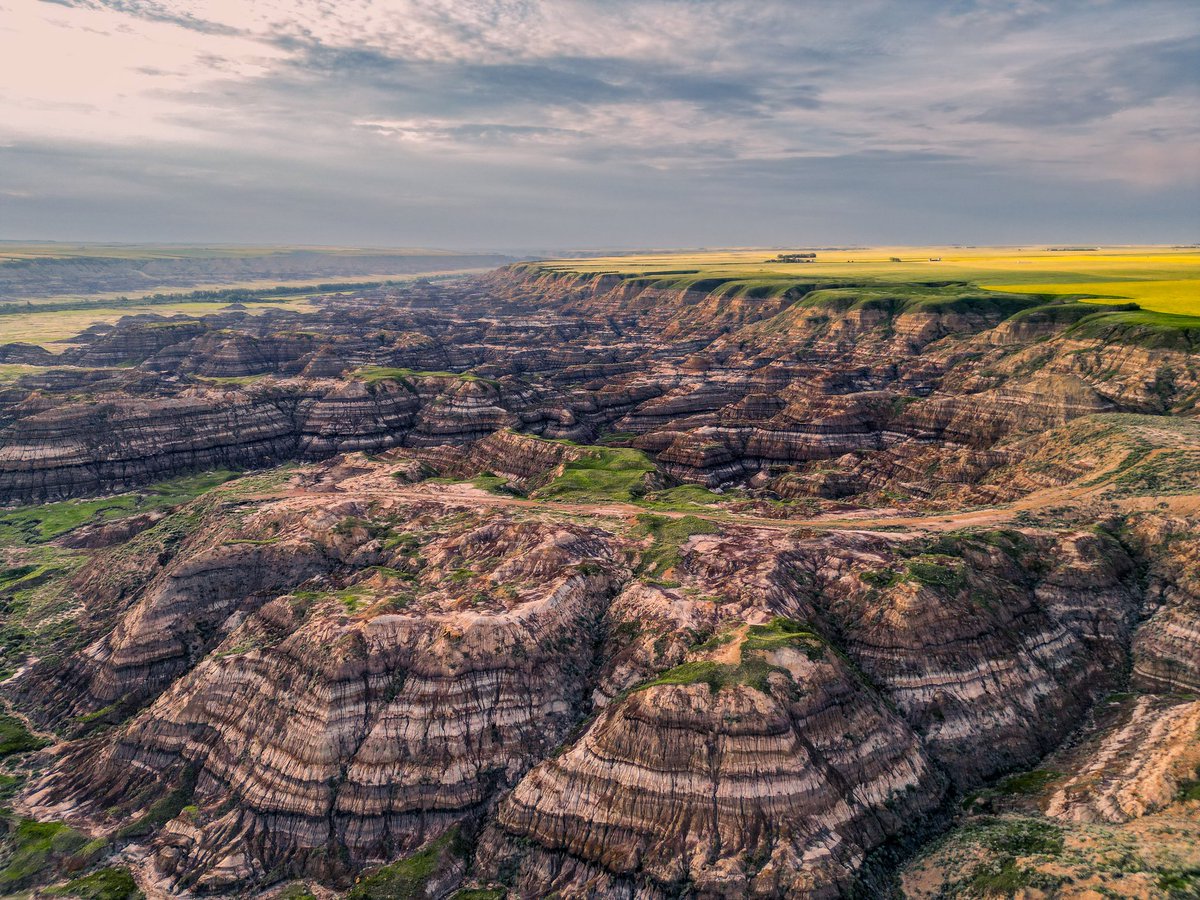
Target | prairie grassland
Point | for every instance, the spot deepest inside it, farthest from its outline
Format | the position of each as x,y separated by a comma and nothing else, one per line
98,297
64,250
45,326
48,327
1160,279
13,371
1180,297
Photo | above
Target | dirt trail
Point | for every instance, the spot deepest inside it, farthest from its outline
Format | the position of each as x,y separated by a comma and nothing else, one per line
865,520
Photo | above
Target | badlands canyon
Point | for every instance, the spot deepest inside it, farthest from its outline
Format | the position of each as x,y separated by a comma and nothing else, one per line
561,583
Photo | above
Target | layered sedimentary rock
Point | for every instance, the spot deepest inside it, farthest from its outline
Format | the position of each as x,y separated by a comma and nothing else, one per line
1023,645
413,677
358,416
20,352
345,671
1111,813
720,386
137,340
567,669
732,790
1166,651
107,446
1136,767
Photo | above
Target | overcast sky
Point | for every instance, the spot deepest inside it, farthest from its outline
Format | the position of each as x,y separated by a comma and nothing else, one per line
568,123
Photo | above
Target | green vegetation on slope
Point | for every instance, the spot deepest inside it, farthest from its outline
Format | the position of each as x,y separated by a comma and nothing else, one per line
753,672
16,738
911,298
31,850
1143,328
1009,847
27,525
373,374
601,473
936,570
162,810
751,669
113,883
1160,279
669,535
1152,294
781,632
682,497
406,879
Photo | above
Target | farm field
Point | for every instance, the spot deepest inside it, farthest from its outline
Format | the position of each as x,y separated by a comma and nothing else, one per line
10,250
43,321
1159,279
49,291
49,327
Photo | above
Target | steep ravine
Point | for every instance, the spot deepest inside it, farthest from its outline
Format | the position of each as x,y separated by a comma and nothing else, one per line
584,587
756,719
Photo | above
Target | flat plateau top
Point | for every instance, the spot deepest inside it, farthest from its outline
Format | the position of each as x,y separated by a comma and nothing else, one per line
1160,279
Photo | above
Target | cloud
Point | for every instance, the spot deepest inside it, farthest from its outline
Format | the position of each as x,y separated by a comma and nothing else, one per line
599,102
1086,86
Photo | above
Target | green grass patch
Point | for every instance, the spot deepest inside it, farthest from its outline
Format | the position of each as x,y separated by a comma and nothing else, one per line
781,632
880,578
232,380
1025,783
31,850
237,649
112,883
389,572
753,672
682,497
712,643
161,811
1003,880
16,738
373,374
297,891
27,525
1181,885
1143,328
1004,841
906,299
669,536
10,785
601,473
1016,836
406,879
494,484
932,570
937,570
616,437
1189,790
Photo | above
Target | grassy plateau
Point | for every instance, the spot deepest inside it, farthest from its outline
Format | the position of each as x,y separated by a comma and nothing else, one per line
1159,279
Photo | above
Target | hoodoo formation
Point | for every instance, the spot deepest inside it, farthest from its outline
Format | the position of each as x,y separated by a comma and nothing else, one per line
545,583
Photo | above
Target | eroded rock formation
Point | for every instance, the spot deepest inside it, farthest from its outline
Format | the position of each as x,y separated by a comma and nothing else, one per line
577,586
